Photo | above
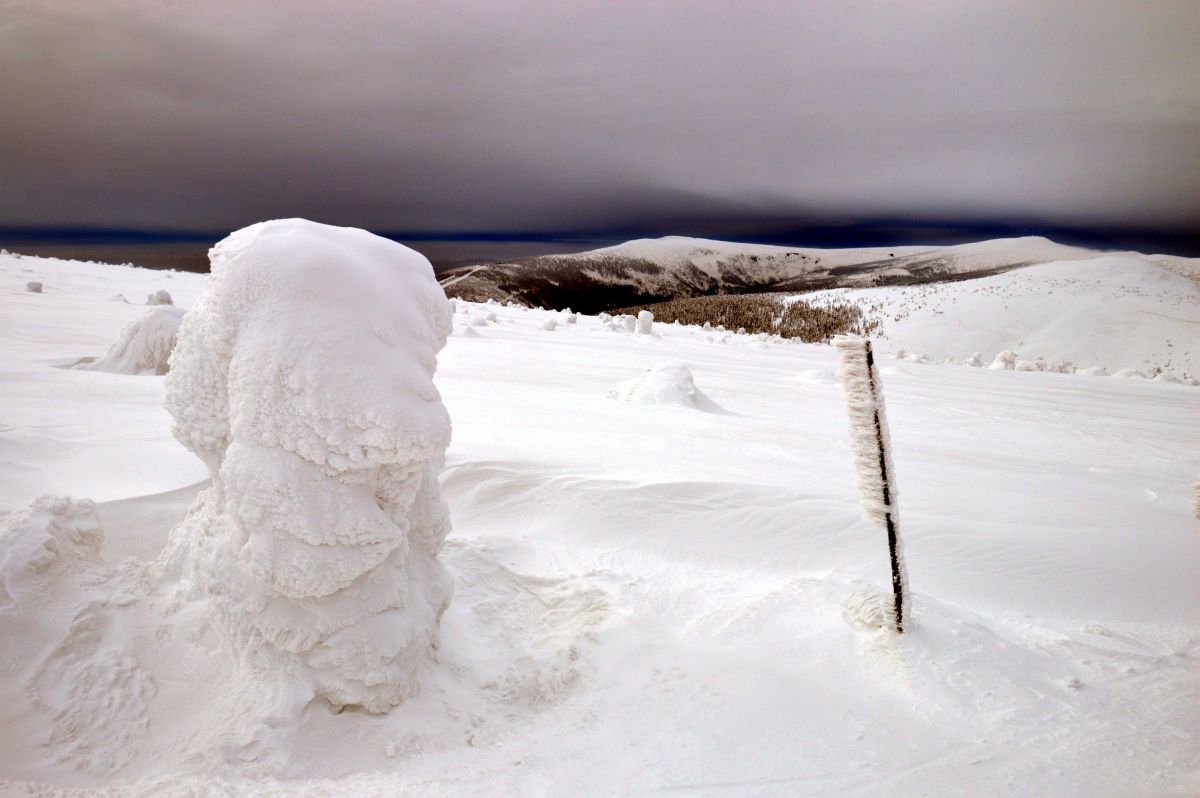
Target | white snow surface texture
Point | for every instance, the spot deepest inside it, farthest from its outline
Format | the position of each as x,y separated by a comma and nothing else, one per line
304,379
648,599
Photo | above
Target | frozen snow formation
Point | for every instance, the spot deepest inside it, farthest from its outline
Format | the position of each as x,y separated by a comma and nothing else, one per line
664,384
33,287
144,345
159,297
303,378
645,322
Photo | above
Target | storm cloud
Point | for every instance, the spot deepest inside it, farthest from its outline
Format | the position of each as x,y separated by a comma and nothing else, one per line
566,116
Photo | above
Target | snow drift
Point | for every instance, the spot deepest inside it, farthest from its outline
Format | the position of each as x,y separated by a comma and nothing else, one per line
303,379
144,346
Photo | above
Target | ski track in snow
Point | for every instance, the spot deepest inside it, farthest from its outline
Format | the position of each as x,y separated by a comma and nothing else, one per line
648,599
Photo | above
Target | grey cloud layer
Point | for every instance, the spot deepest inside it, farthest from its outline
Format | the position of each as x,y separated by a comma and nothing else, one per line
466,116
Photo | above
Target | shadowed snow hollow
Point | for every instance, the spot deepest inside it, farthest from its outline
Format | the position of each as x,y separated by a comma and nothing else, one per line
665,384
304,380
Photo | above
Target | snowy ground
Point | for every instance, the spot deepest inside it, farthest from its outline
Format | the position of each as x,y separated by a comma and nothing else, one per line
649,596
1124,311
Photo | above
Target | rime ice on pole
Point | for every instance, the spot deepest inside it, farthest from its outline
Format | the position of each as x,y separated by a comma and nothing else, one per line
870,442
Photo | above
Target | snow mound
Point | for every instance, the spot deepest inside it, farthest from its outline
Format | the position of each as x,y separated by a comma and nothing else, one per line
303,378
33,287
664,384
159,297
645,323
144,345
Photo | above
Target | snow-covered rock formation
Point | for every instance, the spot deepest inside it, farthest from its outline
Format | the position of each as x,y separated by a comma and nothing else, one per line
303,379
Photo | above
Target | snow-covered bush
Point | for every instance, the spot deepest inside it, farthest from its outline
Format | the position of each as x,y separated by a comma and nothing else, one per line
303,378
144,346
1004,361
159,297
645,322
33,287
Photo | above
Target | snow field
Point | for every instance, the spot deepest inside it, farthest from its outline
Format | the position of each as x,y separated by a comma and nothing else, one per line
647,598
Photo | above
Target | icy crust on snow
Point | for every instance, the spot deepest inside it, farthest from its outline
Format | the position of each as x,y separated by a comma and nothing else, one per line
144,346
303,378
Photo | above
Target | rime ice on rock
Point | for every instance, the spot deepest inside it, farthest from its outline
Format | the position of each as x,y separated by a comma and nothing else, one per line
304,380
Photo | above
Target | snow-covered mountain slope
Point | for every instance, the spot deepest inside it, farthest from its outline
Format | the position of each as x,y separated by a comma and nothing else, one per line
648,596
648,270
1116,311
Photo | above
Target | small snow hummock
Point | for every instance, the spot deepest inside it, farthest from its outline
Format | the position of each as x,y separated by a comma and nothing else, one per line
870,442
549,325
1129,373
665,384
144,346
159,297
645,323
303,378
974,361
33,287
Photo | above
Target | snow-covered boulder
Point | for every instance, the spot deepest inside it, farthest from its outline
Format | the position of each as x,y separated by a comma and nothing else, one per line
1025,365
144,346
974,361
549,325
664,384
33,287
303,378
159,297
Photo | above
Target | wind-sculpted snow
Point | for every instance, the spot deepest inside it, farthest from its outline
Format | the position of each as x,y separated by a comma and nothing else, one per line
303,379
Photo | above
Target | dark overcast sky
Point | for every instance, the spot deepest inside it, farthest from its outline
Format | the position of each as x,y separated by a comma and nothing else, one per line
583,116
